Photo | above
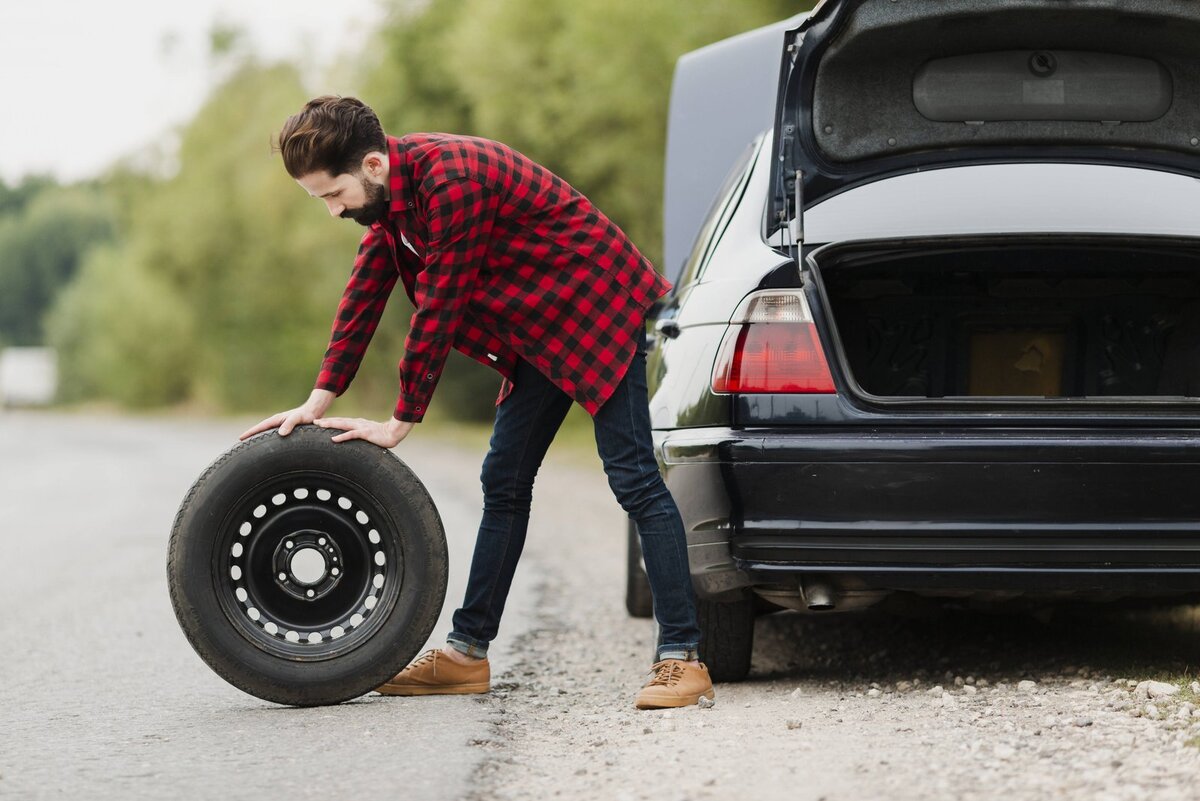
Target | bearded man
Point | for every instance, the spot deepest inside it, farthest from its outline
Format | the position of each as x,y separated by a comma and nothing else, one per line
509,264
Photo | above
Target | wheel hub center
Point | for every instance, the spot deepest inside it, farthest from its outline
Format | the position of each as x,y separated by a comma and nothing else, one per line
307,564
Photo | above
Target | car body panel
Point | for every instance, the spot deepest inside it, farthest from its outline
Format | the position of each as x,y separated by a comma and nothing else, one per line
1047,501
1011,199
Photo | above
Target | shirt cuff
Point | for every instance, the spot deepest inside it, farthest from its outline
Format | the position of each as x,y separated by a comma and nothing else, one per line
336,387
410,409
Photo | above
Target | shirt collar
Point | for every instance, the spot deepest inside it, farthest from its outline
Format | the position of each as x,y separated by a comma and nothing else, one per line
399,176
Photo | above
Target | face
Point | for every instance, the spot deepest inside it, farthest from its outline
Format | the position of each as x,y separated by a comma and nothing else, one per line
360,196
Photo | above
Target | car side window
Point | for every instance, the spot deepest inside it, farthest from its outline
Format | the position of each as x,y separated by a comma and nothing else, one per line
718,215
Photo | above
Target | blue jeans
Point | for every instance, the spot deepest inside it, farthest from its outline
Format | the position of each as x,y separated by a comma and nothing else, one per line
526,422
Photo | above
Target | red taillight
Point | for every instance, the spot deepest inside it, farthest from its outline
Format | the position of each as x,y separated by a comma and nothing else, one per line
774,349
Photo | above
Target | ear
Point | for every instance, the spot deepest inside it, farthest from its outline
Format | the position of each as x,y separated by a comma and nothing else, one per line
375,164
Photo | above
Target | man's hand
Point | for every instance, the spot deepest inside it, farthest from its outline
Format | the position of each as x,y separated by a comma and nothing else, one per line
314,407
385,435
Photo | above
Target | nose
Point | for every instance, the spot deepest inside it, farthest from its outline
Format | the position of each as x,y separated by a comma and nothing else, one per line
335,209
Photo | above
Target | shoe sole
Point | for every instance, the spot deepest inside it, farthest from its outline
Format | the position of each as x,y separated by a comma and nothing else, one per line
670,702
450,689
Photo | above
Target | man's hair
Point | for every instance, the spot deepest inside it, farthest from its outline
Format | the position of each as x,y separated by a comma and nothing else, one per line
332,134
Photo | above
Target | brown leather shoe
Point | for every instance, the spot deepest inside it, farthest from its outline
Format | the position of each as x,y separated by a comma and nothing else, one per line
434,673
675,683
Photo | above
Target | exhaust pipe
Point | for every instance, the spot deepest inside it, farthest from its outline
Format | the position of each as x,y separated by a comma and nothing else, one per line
817,595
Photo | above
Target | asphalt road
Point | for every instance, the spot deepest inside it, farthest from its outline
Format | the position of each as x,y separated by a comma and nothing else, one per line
102,697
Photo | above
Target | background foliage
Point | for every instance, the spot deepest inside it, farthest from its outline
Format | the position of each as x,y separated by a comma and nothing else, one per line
213,278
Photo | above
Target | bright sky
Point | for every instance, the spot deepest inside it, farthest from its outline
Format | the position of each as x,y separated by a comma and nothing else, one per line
86,81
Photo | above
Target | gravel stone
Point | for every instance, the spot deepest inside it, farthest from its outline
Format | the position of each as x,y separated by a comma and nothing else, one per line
1161,689
1027,686
1154,689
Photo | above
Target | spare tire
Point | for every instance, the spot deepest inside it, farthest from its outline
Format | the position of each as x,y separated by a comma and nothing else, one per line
307,572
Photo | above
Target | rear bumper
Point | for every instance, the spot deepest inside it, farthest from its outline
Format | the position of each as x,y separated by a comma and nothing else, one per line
1061,509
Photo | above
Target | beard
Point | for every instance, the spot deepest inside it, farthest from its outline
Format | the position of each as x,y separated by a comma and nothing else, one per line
374,209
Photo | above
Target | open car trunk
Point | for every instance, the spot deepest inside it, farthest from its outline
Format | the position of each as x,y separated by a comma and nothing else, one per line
1036,318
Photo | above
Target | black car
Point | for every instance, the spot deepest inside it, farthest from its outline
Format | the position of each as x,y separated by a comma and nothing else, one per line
939,330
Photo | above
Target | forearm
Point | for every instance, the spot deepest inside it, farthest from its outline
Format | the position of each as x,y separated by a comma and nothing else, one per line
319,401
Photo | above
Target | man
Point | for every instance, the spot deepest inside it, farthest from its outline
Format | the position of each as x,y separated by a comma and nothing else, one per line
506,262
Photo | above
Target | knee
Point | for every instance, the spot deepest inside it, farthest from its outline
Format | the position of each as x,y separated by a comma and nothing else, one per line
646,496
505,490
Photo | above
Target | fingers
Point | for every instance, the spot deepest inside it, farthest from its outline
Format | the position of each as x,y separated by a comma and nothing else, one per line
344,423
290,423
265,425
348,435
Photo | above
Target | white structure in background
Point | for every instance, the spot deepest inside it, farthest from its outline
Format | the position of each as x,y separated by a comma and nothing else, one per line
28,376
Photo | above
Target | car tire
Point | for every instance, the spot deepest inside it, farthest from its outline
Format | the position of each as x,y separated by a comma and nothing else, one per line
726,637
638,600
307,572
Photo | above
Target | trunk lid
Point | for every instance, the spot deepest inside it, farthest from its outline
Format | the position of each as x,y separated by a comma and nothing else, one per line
872,88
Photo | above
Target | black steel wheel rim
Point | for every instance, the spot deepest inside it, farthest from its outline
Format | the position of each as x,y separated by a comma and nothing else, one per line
307,566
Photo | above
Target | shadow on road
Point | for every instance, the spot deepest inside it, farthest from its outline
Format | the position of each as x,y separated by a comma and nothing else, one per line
937,643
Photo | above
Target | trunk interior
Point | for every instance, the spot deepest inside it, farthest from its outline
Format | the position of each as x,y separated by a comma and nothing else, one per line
1019,320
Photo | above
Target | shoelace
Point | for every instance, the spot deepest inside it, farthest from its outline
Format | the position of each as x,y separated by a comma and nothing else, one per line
428,656
666,673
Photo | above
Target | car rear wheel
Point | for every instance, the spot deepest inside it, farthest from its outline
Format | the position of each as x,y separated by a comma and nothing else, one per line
638,601
307,572
727,637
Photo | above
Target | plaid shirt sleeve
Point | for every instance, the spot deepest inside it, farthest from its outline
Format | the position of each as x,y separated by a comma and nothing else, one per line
460,214
358,313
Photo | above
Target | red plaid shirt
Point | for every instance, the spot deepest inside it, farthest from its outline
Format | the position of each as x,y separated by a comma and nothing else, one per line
502,260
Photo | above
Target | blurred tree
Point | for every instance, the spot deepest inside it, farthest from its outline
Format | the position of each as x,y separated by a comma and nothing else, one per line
14,198
226,275
410,77
122,332
41,248
248,264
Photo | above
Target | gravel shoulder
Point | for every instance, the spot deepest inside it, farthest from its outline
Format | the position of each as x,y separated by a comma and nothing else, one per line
915,702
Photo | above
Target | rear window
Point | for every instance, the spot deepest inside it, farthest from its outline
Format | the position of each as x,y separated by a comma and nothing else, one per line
717,218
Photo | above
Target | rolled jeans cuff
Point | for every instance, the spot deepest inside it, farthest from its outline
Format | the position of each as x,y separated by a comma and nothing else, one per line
468,646
687,651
